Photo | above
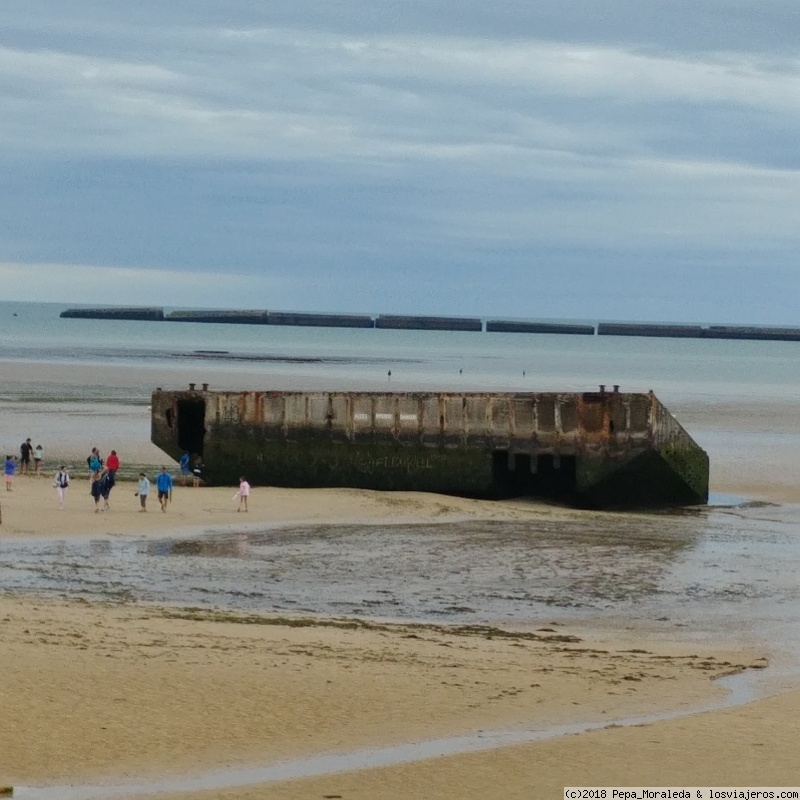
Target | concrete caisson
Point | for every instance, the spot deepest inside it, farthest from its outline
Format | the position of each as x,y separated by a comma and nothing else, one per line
593,449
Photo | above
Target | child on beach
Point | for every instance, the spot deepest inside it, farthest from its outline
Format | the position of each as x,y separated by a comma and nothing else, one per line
144,490
243,493
95,490
61,484
9,470
197,472
184,465
38,460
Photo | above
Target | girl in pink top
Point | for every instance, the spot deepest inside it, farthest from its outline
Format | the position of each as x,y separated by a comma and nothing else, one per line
243,493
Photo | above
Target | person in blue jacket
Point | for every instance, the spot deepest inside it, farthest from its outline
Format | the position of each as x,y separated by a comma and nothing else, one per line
184,465
164,486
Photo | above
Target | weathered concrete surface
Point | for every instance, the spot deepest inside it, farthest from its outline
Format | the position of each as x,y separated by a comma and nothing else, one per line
597,449
397,322
228,317
320,320
115,312
656,329
512,326
391,321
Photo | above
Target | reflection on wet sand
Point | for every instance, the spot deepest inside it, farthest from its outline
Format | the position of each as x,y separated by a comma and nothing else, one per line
695,567
708,569
469,572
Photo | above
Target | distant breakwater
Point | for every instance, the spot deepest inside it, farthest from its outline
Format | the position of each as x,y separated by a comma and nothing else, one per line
436,323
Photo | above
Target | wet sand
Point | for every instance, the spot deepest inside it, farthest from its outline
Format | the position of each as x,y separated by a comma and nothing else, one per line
754,745
116,689
96,692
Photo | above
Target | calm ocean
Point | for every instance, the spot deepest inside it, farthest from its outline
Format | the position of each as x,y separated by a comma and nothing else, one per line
680,371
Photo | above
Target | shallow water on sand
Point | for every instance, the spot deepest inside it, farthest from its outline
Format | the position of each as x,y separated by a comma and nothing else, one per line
717,572
723,573
740,687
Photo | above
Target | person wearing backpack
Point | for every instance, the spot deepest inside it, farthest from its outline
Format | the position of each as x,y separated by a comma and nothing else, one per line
61,484
94,461
106,485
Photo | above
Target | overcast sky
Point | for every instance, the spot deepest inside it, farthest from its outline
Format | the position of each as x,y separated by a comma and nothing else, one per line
560,159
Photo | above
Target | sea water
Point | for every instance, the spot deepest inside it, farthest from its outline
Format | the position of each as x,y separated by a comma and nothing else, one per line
678,370
709,566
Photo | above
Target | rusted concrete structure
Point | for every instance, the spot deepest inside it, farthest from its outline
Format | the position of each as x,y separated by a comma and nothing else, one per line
506,326
409,323
596,449
320,320
115,312
658,330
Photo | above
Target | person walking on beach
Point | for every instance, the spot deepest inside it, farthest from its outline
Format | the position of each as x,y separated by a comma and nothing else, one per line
95,490
144,490
184,465
243,493
164,486
94,461
197,472
25,450
9,470
61,483
106,485
38,460
112,465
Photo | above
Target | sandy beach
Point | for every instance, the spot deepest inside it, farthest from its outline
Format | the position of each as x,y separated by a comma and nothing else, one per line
125,692
113,692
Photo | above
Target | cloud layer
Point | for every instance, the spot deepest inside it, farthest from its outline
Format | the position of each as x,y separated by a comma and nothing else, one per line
410,156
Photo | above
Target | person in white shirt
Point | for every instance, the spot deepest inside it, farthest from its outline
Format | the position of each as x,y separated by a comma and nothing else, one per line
38,460
144,490
61,483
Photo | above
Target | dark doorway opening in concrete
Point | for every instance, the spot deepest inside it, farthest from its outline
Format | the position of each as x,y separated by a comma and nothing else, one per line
546,476
191,426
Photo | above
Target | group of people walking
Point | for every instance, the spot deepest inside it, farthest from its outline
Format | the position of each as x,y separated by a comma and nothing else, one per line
103,478
163,486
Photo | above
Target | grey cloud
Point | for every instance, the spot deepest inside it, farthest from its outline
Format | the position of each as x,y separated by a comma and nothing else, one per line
680,26
280,94
524,145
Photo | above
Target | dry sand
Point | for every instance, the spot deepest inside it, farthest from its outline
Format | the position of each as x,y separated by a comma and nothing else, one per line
31,509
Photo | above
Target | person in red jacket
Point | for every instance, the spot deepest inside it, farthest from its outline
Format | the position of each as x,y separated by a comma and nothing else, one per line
112,465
